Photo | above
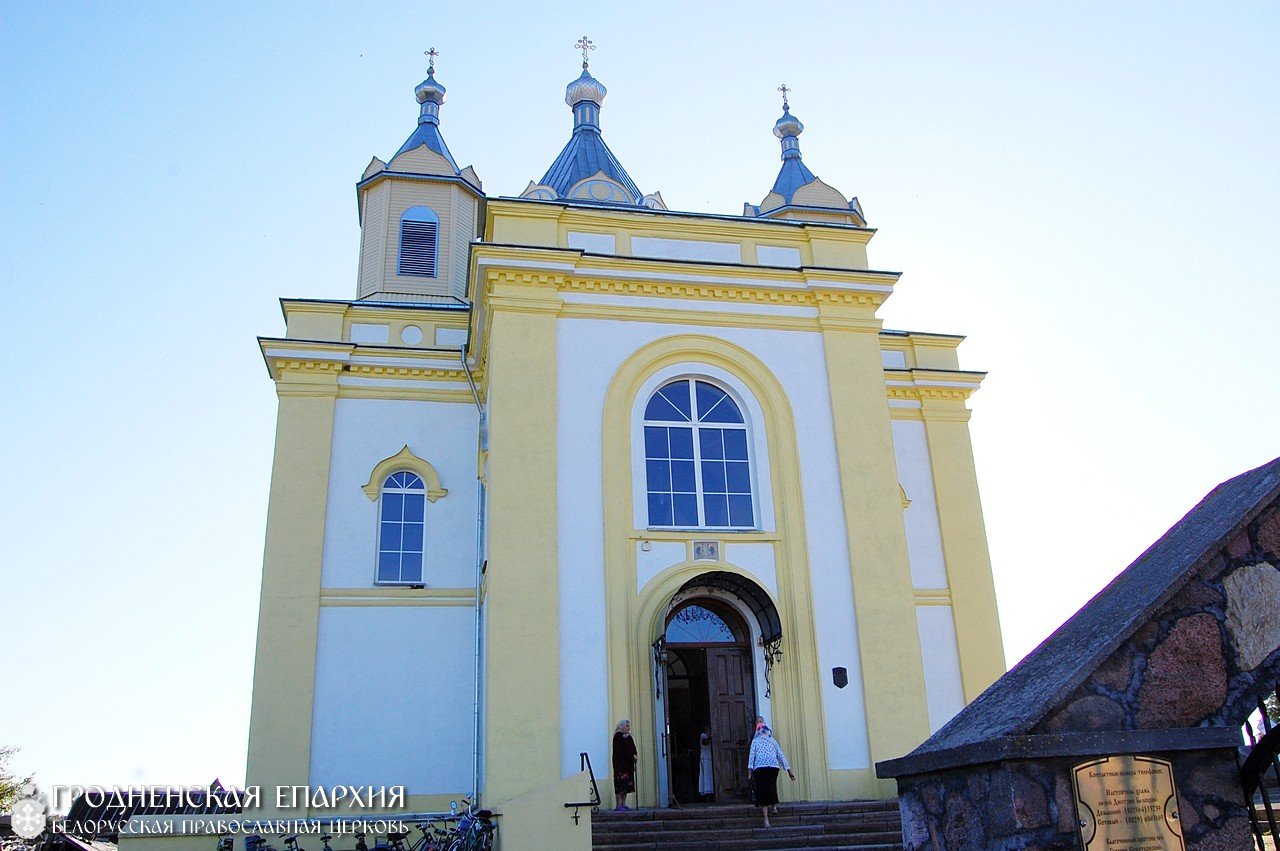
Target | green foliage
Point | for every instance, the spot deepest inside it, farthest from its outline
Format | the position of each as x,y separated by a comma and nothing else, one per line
1273,708
11,785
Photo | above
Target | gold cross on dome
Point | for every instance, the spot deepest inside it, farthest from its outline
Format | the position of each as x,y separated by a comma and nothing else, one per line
783,88
431,58
584,44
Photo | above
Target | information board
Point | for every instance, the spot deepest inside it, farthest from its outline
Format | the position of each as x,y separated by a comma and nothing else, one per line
1127,803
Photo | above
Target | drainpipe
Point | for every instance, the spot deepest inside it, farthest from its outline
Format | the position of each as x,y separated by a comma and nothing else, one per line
482,442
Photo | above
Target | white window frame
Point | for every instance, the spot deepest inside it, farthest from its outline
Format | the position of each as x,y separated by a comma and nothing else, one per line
422,550
757,452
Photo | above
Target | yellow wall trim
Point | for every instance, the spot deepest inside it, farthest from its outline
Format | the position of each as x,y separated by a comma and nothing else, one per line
404,460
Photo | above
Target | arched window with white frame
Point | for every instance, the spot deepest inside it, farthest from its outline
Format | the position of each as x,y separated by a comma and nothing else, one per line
697,463
419,242
401,521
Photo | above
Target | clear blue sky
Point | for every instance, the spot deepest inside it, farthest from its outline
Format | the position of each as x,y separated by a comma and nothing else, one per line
1087,190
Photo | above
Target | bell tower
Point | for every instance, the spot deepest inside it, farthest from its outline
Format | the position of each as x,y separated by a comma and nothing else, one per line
418,213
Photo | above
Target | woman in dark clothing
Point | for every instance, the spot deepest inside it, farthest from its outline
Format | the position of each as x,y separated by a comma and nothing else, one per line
624,763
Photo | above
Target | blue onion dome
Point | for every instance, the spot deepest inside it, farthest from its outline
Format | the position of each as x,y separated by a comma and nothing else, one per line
587,88
787,125
429,91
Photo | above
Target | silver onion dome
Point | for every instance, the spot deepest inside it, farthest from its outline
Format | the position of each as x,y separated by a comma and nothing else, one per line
585,88
429,91
787,125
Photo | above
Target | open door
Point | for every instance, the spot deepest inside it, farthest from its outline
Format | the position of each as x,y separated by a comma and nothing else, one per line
732,696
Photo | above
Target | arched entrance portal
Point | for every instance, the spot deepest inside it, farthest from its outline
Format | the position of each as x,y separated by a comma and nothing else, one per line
718,634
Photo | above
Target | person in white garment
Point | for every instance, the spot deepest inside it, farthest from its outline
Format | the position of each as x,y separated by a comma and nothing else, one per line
706,784
764,761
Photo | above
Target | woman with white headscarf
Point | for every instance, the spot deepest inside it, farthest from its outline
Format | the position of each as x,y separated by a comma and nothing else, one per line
763,762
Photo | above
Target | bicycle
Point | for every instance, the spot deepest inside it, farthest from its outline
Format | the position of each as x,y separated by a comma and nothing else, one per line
474,831
433,839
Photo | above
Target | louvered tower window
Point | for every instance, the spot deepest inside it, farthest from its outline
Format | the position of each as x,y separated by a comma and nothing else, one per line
419,241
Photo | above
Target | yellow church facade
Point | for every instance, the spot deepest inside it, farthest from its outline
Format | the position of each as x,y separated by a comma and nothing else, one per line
572,457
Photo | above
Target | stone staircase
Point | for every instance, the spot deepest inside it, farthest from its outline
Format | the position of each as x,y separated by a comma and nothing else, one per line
866,825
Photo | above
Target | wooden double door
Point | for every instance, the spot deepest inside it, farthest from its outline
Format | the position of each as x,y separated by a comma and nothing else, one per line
710,687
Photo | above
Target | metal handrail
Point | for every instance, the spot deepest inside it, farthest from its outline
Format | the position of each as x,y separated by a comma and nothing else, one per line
584,763
1263,756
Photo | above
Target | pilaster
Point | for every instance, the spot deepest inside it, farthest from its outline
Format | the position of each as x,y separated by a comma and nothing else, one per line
289,611
889,644
964,539
522,740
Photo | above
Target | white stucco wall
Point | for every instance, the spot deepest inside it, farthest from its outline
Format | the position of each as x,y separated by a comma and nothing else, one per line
943,689
393,698
589,353
596,243
924,536
365,431
686,249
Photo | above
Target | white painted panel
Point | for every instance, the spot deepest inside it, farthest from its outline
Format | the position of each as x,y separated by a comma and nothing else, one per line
686,249
924,536
943,688
596,243
451,336
586,365
777,255
372,723
365,431
893,359
756,559
694,306
365,332
661,555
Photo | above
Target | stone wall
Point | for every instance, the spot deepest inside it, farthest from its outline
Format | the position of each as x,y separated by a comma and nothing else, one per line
1204,659
1168,661
1029,804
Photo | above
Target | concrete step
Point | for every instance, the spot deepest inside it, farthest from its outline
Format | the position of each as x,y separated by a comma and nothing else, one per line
864,825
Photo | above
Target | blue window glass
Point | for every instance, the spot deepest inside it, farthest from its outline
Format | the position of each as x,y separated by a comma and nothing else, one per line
713,477
738,477
683,479
696,624
660,509
686,509
711,441
698,472
715,406
655,442
659,473
402,514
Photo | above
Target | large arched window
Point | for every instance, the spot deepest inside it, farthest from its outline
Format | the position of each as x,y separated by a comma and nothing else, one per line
697,467
401,514
419,237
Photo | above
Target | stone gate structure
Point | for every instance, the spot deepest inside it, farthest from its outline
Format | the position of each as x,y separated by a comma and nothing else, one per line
1165,664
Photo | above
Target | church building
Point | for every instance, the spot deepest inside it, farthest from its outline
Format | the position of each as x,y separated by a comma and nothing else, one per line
569,457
